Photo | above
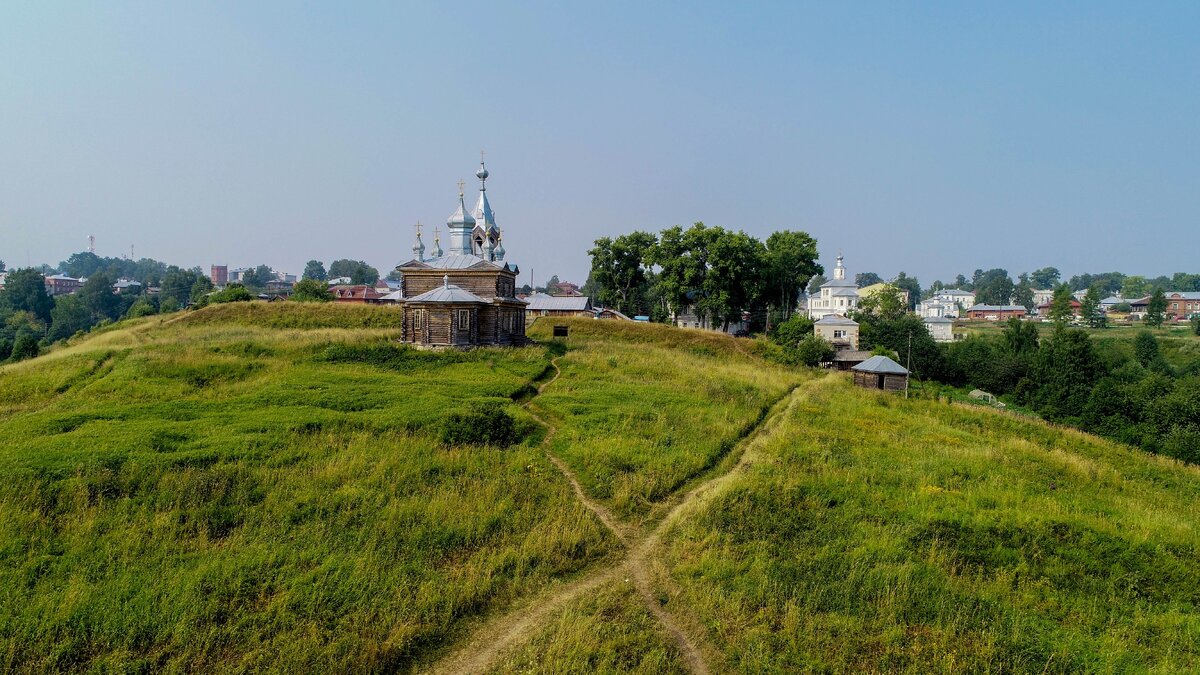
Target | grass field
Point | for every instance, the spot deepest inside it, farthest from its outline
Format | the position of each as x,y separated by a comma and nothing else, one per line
876,534
214,494
261,487
642,409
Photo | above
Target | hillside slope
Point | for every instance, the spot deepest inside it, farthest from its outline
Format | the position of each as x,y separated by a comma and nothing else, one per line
264,487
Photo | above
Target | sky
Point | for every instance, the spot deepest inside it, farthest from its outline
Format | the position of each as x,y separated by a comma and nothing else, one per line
934,138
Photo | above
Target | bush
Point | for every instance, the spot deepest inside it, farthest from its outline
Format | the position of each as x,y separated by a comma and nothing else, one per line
814,350
142,307
25,347
168,305
483,424
231,293
6,346
791,332
311,290
1196,324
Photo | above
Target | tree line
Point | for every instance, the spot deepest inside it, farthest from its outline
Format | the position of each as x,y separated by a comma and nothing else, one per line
712,271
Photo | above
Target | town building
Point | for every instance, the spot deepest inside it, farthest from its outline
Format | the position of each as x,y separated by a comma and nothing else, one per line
838,331
839,295
356,293
880,372
1043,310
1182,304
941,328
1042,296
464,296
995,312
948,302
218,274
61,284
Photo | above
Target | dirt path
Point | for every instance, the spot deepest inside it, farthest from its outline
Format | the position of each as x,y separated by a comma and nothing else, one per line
502,633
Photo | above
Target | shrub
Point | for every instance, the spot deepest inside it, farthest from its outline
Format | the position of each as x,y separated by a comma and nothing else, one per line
311,290
24,347
1196,324
142,307
482,424
814,350
791,332
231,293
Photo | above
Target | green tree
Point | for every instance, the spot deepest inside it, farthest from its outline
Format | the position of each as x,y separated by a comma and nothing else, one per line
682,258
790,262
1023,292
1134,287
618,270
993,287
176,287
864,279
789,333
928,358
143,307
910,284
231,293
1196,323
311,290
1047,277
201,287
814,284
1065,370
69,316
1157,308
358,271
98,298
1090,311
24,347
1020,337
814,350
1061,311
1146,352
887,304
734,279
25,291
315,269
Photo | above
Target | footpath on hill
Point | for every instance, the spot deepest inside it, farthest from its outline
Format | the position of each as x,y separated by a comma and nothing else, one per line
494,638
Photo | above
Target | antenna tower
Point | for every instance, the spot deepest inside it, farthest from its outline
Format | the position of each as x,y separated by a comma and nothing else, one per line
92,244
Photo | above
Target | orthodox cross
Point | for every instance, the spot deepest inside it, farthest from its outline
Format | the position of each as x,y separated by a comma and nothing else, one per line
418,226
460,187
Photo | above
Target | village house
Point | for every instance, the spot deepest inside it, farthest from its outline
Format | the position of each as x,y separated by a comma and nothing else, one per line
941,328
839,295
1043,310
1042,295
466,295
356,293
838,331
995,312
880,372
1182,304
541,304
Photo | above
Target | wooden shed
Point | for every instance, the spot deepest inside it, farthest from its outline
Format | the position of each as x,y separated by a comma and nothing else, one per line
880,372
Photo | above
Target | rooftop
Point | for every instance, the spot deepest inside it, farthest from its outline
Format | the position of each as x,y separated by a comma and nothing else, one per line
542,301
880,364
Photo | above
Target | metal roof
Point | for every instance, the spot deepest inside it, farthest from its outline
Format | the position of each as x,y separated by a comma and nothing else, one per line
937,319
881,364
542,301
839,291
836,320
453,261
851,355
996,308
448,293
836,283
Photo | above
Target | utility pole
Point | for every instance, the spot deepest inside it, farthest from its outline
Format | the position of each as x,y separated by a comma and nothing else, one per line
908,365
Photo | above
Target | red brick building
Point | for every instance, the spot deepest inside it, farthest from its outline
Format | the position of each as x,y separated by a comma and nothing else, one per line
219,275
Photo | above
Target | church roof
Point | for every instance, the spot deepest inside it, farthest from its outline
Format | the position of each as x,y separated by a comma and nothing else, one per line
540,301
847,291
460,215
880,364
454,261
448,293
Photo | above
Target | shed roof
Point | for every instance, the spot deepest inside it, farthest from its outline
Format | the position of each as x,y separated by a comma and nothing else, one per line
542,301
881,364
836,320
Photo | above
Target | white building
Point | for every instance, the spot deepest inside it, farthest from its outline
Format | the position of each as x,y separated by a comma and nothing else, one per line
839,295
942,329
839,331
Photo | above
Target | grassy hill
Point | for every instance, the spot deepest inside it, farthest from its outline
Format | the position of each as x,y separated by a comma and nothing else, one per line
264,487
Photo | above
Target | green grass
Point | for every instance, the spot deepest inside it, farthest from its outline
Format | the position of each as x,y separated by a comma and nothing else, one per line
607,631
210,494
642,409
877,534
259,487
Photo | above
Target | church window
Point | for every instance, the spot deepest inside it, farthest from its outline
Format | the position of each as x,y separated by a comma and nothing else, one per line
464,319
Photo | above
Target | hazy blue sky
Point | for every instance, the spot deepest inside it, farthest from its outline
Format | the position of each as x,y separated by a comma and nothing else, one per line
933,138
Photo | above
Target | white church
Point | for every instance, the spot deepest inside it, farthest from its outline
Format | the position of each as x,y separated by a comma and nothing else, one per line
838,296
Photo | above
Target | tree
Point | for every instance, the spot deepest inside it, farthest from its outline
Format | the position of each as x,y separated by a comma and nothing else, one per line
176,287
1196,323
143,307
682,258
25,291
98,298
201,287
618,270
887,304
1020,337
910,284
864,279
311,290
734,279
993,287
1090,310
928,358
789,333
961,282
358,271
1134,287
24,347
1047,277
1157,308
814,350
69,316
814,284
1065,370
231,293
1061,311
790,262
315,269
1146,352
1023,293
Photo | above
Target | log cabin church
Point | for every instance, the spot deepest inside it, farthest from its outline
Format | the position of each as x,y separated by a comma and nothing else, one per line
464,296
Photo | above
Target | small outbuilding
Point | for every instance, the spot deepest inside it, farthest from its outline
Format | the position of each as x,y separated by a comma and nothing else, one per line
941,328
880,372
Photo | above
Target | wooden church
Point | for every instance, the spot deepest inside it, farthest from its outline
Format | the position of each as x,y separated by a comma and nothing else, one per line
464,296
